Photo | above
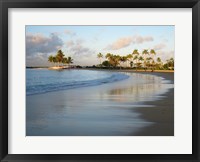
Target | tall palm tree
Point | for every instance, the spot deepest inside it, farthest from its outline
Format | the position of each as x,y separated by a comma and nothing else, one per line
60,55
50,58
135,52
114,60
65,60
108,55
131,64
148,61
54,60
69,60
145,52
170,62
129,57
140,60
159,62
123,59
100,56
136,59
153,53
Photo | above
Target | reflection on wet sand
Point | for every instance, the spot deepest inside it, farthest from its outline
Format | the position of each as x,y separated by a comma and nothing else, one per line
105,110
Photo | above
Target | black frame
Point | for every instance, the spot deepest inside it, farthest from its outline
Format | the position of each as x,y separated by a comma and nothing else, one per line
6,4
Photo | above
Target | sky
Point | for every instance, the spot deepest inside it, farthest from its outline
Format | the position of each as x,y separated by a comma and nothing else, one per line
83,43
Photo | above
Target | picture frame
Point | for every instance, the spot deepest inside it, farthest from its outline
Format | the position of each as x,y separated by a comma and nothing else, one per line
4,69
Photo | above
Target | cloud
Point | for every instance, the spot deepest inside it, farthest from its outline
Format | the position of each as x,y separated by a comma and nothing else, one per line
69,32
41,44
70,43
159,46
164,55
39,59
126,41
78,49
140,39
120,43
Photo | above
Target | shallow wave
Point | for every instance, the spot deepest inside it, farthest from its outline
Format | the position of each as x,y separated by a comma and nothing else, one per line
39,89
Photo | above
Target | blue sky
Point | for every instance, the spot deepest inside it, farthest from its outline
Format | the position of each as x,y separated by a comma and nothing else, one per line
83,43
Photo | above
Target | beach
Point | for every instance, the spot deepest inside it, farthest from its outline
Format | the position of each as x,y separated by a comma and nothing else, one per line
162,112
112,109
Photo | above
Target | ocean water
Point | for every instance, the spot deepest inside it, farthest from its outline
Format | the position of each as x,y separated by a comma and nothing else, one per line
43,80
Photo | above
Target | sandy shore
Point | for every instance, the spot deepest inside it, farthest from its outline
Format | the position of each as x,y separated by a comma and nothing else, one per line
161,114
115,109
162,110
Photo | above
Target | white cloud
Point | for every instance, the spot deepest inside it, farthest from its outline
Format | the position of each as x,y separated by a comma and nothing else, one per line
126,41
159,46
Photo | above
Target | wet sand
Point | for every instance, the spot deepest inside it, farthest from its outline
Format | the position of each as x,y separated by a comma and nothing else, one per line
161,113
122,110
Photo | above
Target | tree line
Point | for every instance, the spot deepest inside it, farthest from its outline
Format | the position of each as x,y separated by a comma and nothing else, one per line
60,59
144,60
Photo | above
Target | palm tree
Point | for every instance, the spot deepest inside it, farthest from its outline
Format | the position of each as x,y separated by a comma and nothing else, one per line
65,60
114,60
153,53
148,61
60,55
123,59
159,62
135,52
140,60
54,60
50,58
145,52
69,60
170,63
131,64
136,59
99,55
129,57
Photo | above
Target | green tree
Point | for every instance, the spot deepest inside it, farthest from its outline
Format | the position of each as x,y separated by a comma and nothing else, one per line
129,58
65,60
131,64
59,56
106,63
135,52
148,62
113,59
170,63
141,59
123,59
69,60
100,56
153,53
159,63
50,58
136,61
145,52
54,60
